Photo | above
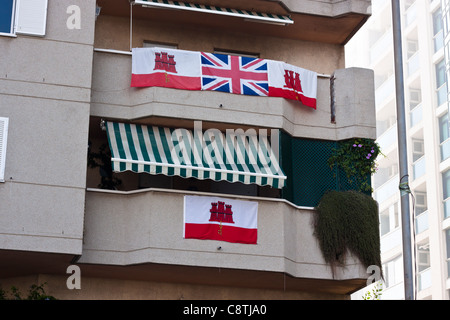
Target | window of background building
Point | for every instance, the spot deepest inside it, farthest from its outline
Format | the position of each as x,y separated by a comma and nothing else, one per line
6,16
441,82
444,137
389,219
393,271
447,242
446,192
438,34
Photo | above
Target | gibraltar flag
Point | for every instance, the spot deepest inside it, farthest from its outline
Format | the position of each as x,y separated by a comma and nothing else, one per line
162,67
292,83
215,218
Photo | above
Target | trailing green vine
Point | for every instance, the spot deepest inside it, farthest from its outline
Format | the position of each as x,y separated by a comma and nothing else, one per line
347,221
357,158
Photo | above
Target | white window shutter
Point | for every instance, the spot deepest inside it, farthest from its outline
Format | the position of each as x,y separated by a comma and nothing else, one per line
31,17
3,136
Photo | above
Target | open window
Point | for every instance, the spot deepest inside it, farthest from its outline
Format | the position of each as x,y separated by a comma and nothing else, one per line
23,17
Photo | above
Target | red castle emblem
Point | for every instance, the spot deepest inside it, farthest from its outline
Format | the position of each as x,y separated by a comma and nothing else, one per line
292,81
221,212
164,61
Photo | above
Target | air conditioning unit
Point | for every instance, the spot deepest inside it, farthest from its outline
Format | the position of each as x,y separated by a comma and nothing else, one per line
420,202
415,98
412,47
418,149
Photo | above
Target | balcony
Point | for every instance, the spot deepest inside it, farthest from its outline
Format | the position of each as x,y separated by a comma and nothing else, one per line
113,98
146,227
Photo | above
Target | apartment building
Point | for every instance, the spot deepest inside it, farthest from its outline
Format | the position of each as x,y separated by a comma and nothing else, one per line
425,88
80,213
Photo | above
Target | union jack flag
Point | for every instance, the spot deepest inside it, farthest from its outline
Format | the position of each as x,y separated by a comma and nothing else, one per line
234,74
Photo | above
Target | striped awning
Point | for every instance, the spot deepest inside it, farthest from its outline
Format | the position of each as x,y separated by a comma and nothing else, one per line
234,157
245,14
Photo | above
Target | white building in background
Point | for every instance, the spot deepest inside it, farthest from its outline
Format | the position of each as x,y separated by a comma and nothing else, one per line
428,141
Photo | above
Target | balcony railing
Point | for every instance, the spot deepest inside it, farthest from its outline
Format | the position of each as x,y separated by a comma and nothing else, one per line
447,208
422,222
441,93
379,48
388,138
411,14
438,40
413,64
387,190
445,149
385,90
419,168
424,279
415,115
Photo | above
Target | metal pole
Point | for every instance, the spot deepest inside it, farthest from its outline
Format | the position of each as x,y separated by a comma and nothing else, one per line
402,153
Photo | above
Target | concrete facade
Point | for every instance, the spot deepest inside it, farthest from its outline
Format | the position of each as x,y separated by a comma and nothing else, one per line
55,89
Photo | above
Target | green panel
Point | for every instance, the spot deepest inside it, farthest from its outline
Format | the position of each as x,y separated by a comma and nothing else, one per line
311,173
305,163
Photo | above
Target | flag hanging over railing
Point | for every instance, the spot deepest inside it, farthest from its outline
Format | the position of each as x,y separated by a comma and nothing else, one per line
191,70
222,219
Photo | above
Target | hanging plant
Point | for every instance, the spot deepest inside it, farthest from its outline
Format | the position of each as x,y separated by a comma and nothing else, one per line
357,158
102,160
347,221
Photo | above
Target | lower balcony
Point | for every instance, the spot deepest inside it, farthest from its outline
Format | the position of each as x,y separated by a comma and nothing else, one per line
139,235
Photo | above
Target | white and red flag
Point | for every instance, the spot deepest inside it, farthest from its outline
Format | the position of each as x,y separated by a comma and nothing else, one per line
215,218
163,67
291,82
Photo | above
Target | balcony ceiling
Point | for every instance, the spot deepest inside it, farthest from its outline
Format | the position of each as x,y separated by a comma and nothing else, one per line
318,28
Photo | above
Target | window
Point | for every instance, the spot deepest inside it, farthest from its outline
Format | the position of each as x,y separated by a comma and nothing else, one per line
441,82
446,192
6,16
3,136
389,219
443,137
393,271
438,36
447,242
23,17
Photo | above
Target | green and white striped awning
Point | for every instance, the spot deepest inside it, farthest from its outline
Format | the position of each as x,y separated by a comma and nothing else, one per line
245,14
233,157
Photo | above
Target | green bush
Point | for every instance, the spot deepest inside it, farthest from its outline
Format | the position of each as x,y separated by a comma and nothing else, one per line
36,292
357,157
347,221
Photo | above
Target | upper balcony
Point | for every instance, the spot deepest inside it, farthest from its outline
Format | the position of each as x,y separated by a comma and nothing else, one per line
318,21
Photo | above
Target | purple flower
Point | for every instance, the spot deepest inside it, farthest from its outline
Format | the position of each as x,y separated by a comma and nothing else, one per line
372,151
359,145
354,145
